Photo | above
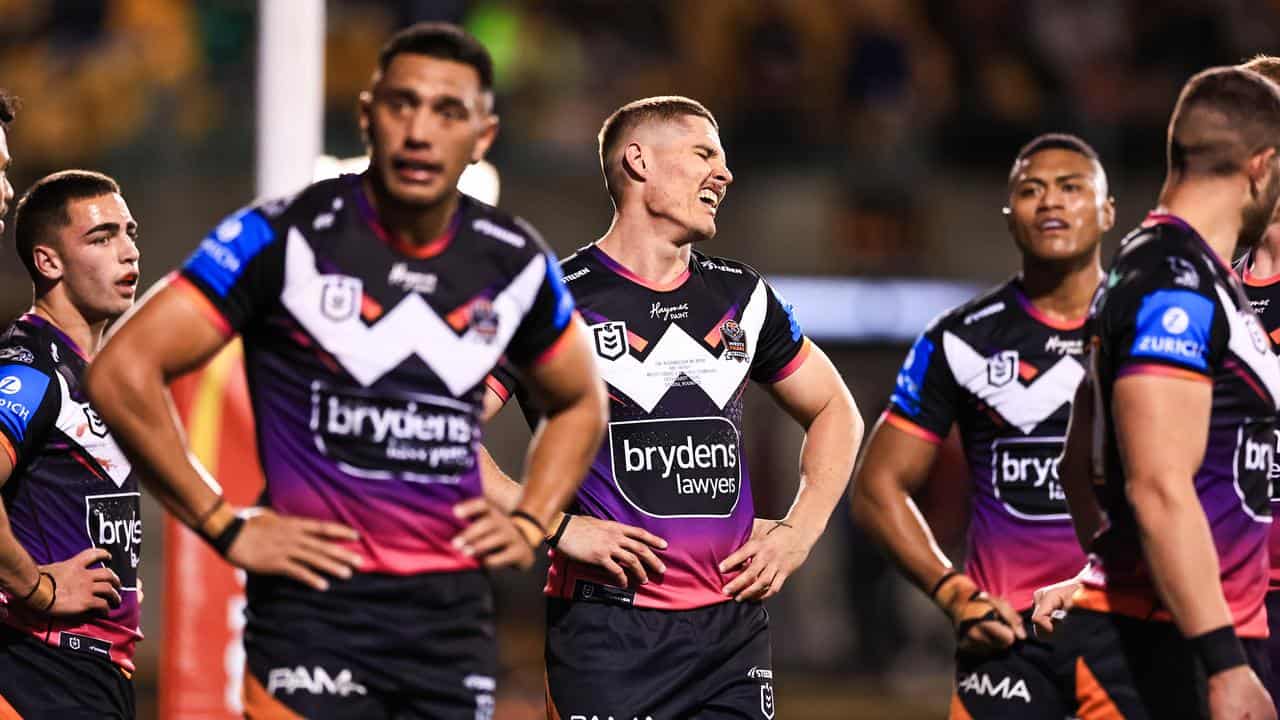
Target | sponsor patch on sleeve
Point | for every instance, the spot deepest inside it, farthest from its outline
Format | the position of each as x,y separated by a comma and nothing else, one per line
906,390
1174,325
21,391
223,254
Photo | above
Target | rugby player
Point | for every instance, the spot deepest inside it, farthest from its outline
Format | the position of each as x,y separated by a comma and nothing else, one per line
1179,410
657,581
372,308
70,530
1259,270
1003,368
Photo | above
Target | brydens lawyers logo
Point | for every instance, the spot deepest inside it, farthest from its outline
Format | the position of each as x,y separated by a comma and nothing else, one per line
10,385
610,339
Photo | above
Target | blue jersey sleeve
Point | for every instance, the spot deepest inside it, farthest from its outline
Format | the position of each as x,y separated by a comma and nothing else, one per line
547,318
27,408
237,268
783,346
1152,318
925,393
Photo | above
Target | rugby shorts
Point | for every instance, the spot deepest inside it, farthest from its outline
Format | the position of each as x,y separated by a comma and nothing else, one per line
71,682
374,647
606,658
1115,666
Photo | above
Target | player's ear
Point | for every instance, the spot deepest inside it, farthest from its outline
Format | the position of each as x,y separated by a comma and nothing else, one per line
488,134
364,109
1007,213
1260,167
634,161
47,262
1107,214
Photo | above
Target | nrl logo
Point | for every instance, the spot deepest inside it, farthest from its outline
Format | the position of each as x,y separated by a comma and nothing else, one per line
610,339
340,297
766,700
1002,368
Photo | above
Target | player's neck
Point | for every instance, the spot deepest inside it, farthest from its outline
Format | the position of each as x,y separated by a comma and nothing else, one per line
1209,205
1264,261
411,225
59,312
1062,291
645,250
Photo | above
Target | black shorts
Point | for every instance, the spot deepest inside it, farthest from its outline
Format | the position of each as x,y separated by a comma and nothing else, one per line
373,647
1014,684
607,660
1112,665
41,681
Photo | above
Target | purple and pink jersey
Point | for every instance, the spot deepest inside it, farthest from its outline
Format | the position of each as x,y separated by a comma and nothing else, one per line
366,358
1264,296
1005,375
676,360
71,488
1171,307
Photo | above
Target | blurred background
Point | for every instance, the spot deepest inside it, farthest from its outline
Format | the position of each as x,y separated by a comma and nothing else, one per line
869,139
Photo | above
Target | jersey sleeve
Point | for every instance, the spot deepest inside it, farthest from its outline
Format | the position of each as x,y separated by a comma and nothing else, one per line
544,324
29,401
1153,323
782,346
234,272
925,394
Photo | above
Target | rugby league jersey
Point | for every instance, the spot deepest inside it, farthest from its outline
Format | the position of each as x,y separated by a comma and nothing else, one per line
1171,307
1005,375
366,359
676,359
1264,296
71,488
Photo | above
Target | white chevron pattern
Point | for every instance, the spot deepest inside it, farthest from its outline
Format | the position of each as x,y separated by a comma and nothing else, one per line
1250,343
676,353
410,328
78,422
1024,406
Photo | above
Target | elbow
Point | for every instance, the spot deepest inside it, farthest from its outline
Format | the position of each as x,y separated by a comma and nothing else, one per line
864,502
1156,498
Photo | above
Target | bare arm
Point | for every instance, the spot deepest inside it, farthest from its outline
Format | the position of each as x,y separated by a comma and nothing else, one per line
559,453
1076,471
165,337
66,589
499,487
1162,430
816,396
624,551
894,466
18,572
570,390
